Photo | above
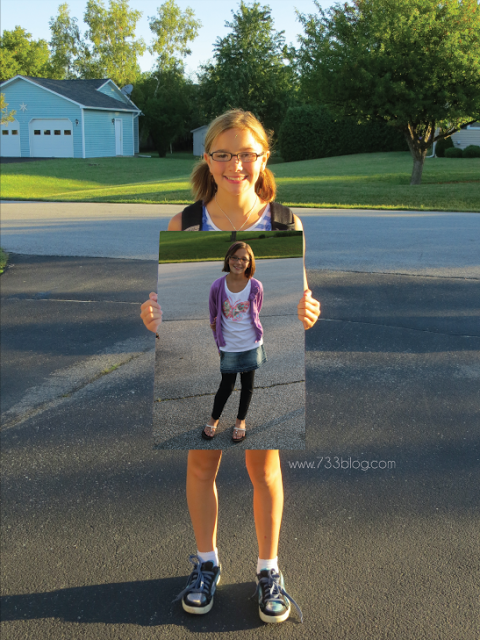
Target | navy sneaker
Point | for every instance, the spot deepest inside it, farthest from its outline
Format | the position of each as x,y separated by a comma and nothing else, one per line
197,597
273,600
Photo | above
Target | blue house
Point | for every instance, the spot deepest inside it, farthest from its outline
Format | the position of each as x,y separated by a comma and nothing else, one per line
68,119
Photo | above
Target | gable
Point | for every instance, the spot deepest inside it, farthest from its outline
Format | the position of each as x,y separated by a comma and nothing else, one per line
111,90
22,96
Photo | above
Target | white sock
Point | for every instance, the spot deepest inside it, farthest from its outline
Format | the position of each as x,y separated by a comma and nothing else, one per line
209,556
272,563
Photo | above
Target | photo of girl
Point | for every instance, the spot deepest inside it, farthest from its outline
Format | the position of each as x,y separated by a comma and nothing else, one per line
235,191
235,303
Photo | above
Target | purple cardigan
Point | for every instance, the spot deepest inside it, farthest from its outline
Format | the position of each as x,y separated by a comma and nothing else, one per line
218,297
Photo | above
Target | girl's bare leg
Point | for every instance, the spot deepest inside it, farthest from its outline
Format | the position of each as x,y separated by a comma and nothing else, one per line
266,476
202,496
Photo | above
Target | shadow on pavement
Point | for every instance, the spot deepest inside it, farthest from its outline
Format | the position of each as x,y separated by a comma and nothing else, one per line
146,603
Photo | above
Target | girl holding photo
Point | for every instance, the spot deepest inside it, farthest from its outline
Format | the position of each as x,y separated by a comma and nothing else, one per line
235,191
235,302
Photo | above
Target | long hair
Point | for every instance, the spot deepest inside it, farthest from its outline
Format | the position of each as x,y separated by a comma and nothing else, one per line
203,184
250,271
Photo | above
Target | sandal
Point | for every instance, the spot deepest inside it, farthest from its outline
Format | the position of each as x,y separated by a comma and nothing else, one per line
205,435
236,431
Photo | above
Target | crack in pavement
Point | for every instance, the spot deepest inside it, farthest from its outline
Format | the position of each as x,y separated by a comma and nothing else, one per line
64,383
397,326
392,273
39,299
201,395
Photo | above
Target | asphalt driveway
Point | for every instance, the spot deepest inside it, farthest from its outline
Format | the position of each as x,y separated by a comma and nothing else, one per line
380,531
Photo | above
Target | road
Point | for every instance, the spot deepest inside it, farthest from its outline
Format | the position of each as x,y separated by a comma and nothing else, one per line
380,531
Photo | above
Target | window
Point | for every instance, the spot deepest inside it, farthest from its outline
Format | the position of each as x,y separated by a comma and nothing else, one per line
15,132
36,132
46,132
4,132
57,132
67,132
475,125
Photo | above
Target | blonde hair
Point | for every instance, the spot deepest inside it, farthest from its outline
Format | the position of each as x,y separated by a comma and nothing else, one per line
203,184
249,272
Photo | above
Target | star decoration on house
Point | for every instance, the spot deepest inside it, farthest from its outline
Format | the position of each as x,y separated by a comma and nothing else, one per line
23,106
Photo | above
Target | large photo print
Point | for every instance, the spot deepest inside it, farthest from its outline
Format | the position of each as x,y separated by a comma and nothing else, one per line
230,346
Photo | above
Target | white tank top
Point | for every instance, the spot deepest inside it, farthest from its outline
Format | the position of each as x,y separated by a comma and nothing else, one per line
237,327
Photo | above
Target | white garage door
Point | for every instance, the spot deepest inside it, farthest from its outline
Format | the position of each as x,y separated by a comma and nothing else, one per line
51,138
10,140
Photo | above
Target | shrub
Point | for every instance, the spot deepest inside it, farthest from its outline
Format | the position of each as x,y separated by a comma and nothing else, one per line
472,151
313,132
291,232
442,145
453,152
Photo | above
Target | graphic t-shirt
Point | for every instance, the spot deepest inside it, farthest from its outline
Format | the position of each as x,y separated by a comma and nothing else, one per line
237,327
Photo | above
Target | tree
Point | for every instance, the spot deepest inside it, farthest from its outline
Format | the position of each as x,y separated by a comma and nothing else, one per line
173,30
114,49
65,44
414,64
251,68
7,116
168,113
19,54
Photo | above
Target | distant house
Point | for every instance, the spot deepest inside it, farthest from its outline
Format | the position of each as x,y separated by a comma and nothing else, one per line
68,119
468,134
199,139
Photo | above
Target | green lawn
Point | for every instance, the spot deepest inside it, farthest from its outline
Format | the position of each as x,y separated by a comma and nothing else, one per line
374,180
176,246
3,260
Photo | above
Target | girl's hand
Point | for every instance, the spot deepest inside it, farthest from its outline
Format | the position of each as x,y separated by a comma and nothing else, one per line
308,310
213,326
151,313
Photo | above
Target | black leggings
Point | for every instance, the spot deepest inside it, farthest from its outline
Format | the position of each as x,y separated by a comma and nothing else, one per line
227,385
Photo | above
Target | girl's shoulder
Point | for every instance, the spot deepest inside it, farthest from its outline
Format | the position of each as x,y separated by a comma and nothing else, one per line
216,283
256,285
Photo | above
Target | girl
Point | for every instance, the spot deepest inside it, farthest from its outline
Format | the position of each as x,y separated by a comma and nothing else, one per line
235,191
237,298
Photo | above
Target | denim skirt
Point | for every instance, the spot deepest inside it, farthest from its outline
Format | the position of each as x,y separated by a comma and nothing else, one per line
242,361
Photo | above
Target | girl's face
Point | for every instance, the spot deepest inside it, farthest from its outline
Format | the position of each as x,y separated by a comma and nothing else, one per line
235,177
239,261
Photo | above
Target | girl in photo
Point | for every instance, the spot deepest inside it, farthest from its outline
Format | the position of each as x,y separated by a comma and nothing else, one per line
235,302
235,191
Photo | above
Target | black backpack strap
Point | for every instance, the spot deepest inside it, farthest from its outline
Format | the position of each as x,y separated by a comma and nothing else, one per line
192,216
282,217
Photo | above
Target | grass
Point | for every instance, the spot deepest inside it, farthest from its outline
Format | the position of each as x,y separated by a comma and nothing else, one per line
3,260
176,246
372,181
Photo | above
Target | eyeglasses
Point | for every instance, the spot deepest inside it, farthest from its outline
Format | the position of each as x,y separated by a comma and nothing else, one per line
246,156
235,259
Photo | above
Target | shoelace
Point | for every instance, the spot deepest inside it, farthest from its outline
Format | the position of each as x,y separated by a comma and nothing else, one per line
272,583
198,581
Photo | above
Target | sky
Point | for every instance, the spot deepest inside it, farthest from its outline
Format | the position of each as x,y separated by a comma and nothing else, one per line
34,16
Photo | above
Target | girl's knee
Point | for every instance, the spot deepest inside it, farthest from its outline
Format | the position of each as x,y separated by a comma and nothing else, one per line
203,465
263,467
227,386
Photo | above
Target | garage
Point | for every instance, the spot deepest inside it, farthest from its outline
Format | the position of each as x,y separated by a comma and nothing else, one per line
51,138
10,140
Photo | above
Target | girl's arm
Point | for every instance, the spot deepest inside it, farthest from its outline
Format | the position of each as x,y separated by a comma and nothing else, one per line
260,296
151,312
212,307
308,309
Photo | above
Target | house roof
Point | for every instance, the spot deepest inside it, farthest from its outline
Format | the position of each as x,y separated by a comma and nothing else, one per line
84,92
